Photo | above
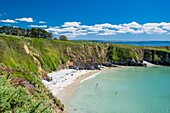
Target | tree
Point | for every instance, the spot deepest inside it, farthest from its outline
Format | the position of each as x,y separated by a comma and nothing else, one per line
63,38
34,32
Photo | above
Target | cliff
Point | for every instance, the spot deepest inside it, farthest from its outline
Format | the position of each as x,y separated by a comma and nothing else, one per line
159,56
24,62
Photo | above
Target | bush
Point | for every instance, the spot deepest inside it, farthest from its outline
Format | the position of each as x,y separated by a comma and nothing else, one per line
63,38
16,100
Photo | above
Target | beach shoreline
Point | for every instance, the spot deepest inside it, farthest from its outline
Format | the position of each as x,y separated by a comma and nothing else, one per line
65,90
68,91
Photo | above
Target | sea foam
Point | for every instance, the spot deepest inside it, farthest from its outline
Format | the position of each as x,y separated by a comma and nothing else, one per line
90,77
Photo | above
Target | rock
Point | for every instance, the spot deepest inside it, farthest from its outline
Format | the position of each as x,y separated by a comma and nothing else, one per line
108,64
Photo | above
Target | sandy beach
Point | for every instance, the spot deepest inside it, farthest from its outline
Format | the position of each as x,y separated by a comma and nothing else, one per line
65,82
64,94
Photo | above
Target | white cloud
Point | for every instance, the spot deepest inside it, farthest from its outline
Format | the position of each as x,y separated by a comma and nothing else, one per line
74,29
70,35
107,25
38,26
133,25
85,27
68,29
8,21
79,34
151,24
136,31
92,32
25,19
124,30
152,28
55,33
165,26
71,24
107,32
60,30
52,29
95,28
42,22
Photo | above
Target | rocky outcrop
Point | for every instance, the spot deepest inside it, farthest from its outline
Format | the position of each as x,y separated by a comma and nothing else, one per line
89,57
86,57
158,57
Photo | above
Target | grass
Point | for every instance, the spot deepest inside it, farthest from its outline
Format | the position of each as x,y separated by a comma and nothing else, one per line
118,54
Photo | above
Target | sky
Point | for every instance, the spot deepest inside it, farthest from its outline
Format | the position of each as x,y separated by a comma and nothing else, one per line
124,20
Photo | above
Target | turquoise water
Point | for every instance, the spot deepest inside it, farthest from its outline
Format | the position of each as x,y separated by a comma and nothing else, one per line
124,90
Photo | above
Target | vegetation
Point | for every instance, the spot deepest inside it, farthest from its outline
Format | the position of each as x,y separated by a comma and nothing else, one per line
17,100
63,38
18,95
22,69
121,53
39,33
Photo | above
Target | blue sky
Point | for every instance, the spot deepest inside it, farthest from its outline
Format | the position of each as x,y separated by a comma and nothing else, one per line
91,19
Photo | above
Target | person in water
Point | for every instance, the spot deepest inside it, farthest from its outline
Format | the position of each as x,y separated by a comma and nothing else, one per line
116,92
97,84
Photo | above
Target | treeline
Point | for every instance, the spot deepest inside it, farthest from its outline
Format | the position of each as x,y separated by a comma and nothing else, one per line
34,32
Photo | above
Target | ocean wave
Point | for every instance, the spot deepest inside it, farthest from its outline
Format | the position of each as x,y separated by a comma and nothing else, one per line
90,77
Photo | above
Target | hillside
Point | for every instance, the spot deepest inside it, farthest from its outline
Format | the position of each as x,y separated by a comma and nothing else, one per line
24,62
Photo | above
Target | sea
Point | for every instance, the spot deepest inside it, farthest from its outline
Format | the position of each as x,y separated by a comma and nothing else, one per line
124,90
136,43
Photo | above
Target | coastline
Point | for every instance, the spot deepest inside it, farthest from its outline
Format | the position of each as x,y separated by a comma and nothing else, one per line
116,87
68,91
63,90
72,88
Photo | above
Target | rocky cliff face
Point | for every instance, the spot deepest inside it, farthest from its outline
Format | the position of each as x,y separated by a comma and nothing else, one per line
86,56
90,56
157,57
